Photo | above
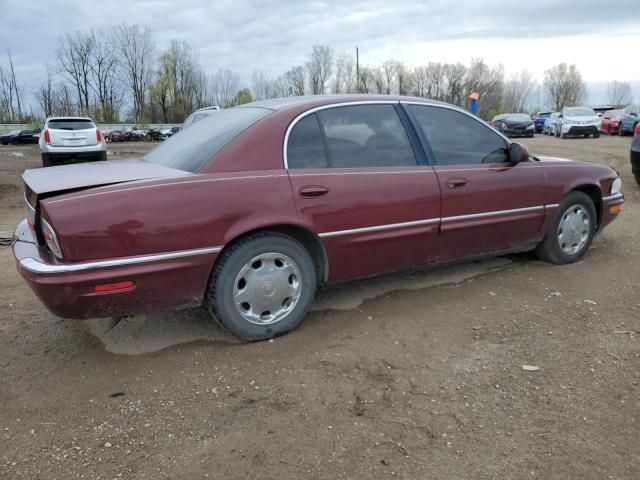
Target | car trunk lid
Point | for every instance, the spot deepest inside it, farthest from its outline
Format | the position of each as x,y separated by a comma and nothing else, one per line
78,176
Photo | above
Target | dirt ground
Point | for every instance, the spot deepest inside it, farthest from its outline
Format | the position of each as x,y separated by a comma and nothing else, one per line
415,375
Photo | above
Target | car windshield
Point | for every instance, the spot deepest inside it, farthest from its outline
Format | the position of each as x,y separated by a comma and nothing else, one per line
70,124
519,117
555,115
544,115
579,112
193,147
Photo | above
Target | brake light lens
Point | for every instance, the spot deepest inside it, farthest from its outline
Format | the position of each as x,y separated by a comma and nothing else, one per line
98,136
47,137
637,130
50,239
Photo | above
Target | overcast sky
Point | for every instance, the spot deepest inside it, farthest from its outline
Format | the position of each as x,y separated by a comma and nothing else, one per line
602,38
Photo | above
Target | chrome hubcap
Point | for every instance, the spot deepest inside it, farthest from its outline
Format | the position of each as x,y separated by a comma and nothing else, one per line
574,229
267,288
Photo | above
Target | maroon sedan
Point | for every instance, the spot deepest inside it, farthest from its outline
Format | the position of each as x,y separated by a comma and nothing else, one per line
250,210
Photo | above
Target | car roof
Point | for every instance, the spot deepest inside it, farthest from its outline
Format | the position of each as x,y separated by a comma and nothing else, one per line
312,101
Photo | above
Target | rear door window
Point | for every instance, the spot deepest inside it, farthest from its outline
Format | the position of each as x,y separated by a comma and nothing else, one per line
70,124
365,136
305,148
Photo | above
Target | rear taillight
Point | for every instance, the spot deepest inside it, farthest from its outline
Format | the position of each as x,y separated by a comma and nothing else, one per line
637,130
98,136
50,238
47,137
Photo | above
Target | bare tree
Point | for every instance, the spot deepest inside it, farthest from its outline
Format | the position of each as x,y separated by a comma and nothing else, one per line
564,86
295,78
435,82
103,80
319,68
338,80
453,75
223,86
366,79
350,80
45,96
136,50
378,80
420,82
405,79
10,92
619,93
389,68
74,56
518,91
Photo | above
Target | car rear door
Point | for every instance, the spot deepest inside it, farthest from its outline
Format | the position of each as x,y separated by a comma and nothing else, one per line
357,184
488,203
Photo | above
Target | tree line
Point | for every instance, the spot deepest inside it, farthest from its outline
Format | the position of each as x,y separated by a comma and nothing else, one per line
118,74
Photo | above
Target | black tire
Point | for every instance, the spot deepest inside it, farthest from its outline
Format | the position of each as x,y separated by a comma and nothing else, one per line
620,130
596,135
637,179
101,156
219,296
46,160
549,249
563,135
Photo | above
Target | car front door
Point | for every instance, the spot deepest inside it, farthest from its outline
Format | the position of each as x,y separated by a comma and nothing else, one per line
357,184
488,203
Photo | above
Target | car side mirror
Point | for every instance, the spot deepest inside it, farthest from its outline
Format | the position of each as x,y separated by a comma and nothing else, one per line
560,116
634,114
518,153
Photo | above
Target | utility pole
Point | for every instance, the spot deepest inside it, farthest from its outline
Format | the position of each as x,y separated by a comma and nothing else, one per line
357,71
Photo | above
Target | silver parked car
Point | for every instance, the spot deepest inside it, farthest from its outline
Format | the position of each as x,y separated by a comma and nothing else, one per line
71,140
549,127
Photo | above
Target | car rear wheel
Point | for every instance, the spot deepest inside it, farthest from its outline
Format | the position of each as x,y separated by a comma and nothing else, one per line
596,135
262,286
572,231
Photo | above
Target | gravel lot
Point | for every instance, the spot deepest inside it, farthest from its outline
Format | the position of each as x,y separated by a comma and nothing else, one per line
417,375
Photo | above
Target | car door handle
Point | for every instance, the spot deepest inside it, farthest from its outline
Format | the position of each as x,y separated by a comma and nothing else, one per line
313,191
456,183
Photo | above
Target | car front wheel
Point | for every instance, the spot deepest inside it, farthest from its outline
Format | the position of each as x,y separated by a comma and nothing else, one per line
262,286
572,230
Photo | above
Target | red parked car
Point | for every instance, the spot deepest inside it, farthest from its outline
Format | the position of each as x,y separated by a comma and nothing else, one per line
250,210
611,121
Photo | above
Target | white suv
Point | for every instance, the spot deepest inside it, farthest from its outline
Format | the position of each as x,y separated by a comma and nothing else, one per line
579,121
71,140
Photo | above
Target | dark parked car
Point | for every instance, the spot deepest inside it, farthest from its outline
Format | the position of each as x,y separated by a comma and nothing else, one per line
635,154
540,119
20,137
629,119
250,210
514,124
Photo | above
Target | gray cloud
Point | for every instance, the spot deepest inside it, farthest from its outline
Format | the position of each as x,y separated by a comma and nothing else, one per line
273,35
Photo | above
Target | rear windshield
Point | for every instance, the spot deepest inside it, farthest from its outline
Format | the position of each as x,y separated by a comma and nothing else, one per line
191,148
70,124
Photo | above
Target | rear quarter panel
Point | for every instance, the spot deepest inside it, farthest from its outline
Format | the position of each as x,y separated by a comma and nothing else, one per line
141,218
